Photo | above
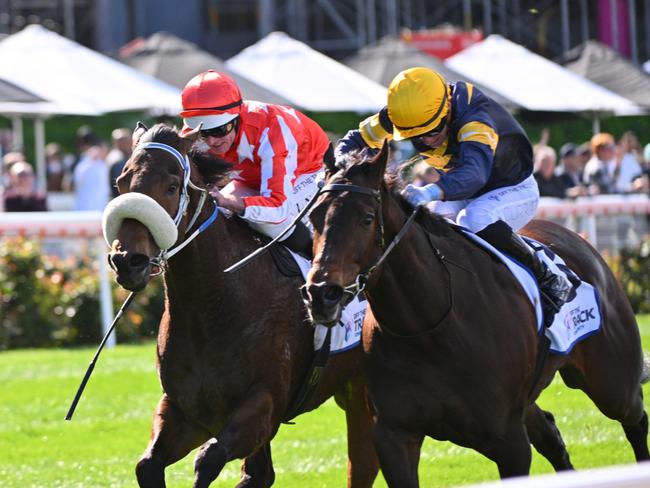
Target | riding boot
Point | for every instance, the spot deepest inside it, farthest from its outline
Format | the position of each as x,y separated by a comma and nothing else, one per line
554,289
299,241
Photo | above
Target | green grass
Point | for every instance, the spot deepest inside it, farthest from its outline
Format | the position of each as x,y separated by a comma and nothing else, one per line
100,447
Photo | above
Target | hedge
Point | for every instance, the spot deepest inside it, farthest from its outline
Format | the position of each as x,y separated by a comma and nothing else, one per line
49,302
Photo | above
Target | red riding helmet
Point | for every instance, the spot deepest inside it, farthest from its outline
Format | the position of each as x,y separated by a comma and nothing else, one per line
210,98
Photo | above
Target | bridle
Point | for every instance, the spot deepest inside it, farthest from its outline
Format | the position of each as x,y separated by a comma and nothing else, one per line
160,261
361,280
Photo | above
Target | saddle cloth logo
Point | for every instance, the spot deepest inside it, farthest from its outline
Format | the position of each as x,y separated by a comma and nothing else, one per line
577,319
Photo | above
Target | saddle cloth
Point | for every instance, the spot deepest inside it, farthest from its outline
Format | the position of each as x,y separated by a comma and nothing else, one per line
578,318
347,334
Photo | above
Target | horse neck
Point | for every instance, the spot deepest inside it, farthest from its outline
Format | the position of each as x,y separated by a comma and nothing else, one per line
197,269
412,280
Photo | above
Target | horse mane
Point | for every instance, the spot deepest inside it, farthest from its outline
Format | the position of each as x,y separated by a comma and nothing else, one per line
355,162
211,168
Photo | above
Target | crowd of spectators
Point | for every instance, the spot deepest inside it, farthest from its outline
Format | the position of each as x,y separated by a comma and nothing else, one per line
88,175
601,166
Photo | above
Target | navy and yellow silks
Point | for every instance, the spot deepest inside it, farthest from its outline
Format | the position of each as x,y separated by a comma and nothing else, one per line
486,148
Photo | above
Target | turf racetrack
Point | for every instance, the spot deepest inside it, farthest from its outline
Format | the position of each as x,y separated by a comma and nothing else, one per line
100,446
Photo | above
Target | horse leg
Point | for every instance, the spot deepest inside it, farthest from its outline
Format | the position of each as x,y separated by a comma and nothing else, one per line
510,451
172,438
247,429
637,435
616,396
363,464
546,438
399,455
257,469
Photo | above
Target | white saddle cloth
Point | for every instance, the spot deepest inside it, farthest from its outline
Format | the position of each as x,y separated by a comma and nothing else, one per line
577,319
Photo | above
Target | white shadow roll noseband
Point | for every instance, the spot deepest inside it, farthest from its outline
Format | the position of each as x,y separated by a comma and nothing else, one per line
144,209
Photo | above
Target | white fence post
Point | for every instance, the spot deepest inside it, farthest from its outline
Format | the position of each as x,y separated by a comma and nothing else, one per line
105,298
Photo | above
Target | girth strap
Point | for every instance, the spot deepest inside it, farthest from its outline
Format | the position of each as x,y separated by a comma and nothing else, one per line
311,381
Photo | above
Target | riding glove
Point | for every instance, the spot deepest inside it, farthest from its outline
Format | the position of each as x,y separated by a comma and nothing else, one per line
421,195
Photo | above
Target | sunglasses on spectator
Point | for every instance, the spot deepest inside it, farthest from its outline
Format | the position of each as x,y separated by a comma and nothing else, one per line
434,132
221,131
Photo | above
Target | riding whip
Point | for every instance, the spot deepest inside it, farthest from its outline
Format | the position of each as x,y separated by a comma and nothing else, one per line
91,366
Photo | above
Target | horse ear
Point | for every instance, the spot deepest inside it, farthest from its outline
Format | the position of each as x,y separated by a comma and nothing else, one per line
189,138
330,160
139,131
380,161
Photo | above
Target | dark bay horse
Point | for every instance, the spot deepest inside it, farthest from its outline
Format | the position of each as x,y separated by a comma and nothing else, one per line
233,349
451,345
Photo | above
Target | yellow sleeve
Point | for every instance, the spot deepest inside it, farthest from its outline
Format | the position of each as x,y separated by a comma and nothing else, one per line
479,132
373,133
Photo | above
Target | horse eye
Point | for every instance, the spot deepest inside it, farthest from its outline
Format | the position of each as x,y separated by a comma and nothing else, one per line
368,219
173,188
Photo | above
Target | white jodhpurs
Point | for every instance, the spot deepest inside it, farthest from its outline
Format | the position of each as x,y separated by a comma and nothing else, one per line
515,205
304,189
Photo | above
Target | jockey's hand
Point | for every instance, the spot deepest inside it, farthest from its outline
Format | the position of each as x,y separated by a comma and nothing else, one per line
228,201
421,195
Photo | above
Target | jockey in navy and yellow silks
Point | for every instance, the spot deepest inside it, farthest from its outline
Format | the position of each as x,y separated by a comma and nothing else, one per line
485,147
483,160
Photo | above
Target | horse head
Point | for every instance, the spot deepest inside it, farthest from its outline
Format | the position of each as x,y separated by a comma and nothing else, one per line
348,234
151,212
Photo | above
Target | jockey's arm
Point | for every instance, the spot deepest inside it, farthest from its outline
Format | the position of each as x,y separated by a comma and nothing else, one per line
371,134
477,144
278,157
229,201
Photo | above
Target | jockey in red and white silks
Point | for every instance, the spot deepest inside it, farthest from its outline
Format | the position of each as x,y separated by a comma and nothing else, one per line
276,152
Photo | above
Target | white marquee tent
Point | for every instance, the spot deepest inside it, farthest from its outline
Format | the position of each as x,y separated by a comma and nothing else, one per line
79,79
306,77
534,82
72,79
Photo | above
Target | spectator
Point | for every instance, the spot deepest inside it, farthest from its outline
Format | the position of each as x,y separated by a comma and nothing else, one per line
21,195
58,177
646,160
8,160
85,138
118,156
610,168
91,182
550,185
629,158
570,171
629,142
599,170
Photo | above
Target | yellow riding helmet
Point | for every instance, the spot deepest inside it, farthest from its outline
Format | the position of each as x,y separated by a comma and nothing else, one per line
417,102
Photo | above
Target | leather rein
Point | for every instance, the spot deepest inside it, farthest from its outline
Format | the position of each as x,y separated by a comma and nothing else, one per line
361,280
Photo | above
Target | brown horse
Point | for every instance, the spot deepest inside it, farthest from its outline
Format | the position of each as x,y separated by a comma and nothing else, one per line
451,345
233,350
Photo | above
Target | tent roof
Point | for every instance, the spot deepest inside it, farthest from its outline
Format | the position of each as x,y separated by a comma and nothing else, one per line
601,64
306,77
176,61
12,93
534,82
382,61
77,80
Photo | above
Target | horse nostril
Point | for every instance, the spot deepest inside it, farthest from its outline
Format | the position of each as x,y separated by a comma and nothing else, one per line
332,294
139,261
123,262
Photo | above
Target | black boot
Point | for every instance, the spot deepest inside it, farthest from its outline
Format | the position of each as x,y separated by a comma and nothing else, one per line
299,241
554,289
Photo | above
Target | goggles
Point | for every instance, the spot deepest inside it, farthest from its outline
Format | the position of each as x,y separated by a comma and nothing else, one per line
221,131
434,132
